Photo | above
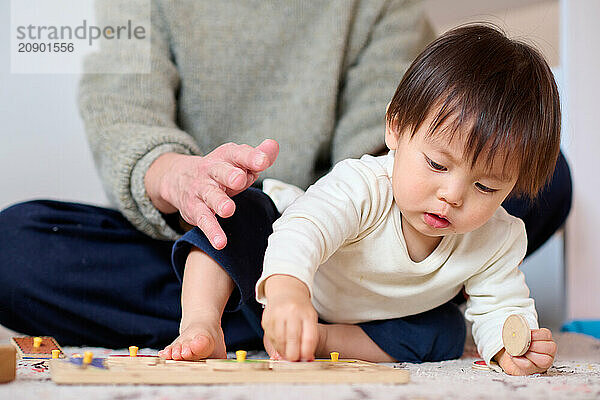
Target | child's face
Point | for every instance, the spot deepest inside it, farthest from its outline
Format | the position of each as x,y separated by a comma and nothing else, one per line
436,190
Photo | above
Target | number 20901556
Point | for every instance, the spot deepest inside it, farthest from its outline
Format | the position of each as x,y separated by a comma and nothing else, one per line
45,47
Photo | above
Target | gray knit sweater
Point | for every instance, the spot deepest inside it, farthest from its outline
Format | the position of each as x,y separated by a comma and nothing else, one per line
315,75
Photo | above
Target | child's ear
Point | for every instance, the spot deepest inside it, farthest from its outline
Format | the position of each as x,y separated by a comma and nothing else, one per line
391,137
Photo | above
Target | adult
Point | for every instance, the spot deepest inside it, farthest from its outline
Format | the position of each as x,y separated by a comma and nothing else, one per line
178,142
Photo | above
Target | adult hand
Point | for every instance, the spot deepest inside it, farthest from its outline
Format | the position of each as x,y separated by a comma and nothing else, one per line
201,186
289,320
538,358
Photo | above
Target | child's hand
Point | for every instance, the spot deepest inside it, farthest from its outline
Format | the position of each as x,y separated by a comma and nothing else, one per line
289,320
538,358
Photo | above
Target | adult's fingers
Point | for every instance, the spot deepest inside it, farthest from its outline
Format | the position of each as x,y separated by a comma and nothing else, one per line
204,219
217,200
271,148
242,155
228,175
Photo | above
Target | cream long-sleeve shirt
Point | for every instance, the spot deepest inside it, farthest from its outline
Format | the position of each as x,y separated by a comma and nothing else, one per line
343,239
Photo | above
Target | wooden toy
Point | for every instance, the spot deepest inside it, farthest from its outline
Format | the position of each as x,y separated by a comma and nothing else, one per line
157,371
516,335
8,363
480,365
26,346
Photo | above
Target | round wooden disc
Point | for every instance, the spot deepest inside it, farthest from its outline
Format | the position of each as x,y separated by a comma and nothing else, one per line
516,335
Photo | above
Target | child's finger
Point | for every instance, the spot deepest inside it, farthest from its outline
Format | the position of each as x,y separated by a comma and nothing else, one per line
543,347
541,334
278,336
273,355
310,338
293,333
524,364
542,361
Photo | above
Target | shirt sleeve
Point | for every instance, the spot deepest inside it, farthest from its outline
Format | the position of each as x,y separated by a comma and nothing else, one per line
498,291
130,120
373,69
335,209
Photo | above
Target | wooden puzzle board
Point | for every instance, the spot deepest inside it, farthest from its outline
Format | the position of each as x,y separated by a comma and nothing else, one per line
155,371
25,348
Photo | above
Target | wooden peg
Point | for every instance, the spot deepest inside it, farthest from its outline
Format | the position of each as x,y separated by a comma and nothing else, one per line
88,357
240,355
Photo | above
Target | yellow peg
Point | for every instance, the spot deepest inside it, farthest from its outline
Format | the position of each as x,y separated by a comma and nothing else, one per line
55,353
334,356
240,356
88,356
37,342
133,351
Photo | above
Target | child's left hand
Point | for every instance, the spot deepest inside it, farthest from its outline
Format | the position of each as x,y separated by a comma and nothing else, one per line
538,358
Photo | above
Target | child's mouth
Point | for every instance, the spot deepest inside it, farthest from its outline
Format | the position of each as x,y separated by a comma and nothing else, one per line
435,221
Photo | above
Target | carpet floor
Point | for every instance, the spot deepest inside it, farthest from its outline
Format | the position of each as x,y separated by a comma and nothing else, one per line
575,375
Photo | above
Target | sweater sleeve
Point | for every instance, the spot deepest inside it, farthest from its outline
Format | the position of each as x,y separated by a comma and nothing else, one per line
130,121
498,291
373,70
335,209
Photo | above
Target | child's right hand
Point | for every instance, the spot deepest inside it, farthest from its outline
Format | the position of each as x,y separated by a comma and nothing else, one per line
289,319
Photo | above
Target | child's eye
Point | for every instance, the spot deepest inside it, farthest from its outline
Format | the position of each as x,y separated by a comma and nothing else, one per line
484,188
435,165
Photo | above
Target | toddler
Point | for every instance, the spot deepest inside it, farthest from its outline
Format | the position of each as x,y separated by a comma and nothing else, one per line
367,261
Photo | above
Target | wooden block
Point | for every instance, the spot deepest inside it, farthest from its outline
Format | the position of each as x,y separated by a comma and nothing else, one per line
26,349
8,363
155,371
516,335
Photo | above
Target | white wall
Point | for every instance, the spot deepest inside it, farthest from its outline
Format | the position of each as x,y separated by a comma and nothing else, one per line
43,149
581,60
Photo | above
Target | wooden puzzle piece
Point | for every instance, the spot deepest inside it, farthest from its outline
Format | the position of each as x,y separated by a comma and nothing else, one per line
516,335
36,347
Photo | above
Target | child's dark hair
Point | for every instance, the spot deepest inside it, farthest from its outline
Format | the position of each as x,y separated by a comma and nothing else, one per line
500,90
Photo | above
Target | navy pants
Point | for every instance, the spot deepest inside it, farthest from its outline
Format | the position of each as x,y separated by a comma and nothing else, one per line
85,275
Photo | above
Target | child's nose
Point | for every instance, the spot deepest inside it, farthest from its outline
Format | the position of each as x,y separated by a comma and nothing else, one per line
452,196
